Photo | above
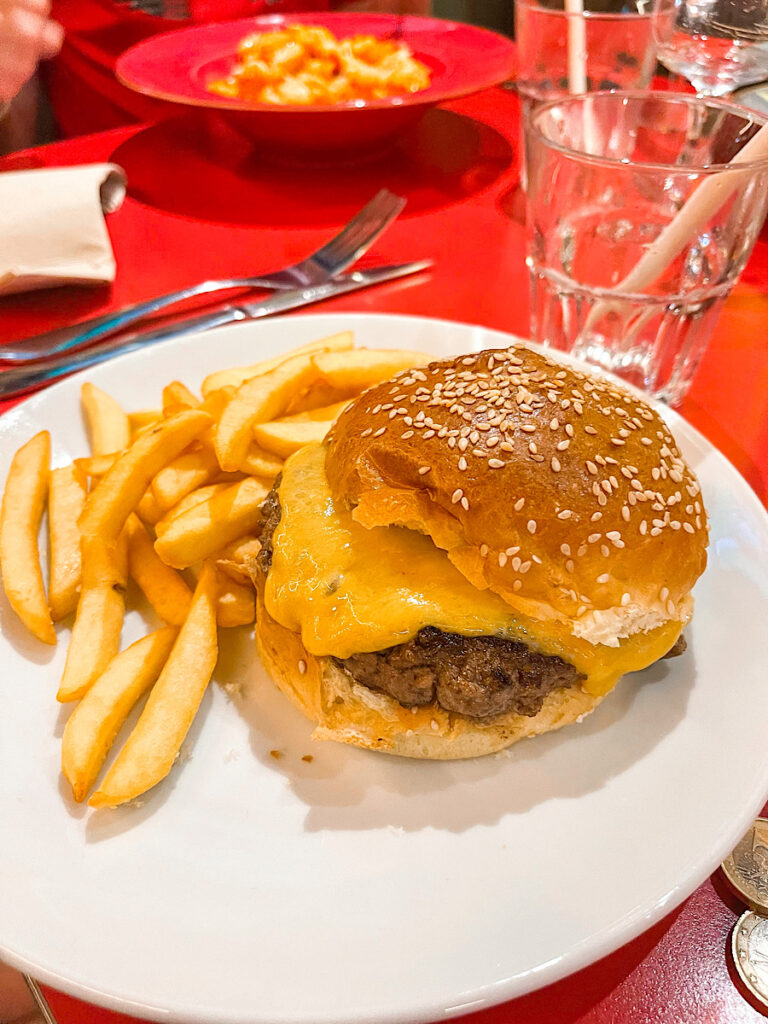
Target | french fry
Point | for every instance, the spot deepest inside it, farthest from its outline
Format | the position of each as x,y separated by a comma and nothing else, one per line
318,395
95,722
192,499
360,369
284,437
237,558
95,638
258,401
143,418
164,588
154,744
236,604
186,473
108,426
260,463
66,498
94,467
238,375
148,509
177,397
216,401
208,527
323,412
122,488
26,490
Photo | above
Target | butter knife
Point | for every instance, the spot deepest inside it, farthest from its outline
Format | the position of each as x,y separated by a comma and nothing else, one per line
18,380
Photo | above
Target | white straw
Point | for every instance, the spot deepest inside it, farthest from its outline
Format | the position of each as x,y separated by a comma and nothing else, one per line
708,198
711,194
577,46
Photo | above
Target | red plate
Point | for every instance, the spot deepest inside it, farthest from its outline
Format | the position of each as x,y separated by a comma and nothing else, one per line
177,66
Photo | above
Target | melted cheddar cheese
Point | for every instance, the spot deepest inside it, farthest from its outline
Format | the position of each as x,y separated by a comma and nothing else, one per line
348,590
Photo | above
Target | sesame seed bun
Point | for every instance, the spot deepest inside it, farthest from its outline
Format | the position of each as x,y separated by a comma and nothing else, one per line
562,492
347,712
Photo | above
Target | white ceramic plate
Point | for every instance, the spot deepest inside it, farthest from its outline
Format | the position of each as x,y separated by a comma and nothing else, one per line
360,887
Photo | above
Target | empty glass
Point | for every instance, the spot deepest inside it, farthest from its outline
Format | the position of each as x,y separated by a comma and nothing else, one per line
611,282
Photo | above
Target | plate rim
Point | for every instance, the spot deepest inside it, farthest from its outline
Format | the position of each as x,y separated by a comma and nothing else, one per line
571,961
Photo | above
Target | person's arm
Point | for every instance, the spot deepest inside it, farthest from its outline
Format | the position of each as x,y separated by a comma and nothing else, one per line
27,36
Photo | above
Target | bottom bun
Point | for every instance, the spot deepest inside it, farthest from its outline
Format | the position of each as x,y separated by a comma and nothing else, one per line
347,712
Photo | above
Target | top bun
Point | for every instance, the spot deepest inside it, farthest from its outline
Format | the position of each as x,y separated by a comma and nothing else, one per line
562,492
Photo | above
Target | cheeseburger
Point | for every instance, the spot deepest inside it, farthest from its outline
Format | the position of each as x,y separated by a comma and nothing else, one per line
478,552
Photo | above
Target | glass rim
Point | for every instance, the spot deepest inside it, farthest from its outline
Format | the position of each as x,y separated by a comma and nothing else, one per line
588,15
737,109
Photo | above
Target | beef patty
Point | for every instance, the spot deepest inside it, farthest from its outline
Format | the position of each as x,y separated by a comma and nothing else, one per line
477,676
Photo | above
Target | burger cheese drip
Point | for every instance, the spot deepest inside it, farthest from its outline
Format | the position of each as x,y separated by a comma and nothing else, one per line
347,589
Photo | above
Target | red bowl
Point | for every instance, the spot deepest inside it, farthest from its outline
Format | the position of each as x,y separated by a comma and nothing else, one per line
176,66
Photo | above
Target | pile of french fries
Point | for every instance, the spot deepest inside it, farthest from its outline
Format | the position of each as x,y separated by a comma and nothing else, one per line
170,499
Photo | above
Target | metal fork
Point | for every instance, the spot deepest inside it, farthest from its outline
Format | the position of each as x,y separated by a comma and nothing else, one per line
333,258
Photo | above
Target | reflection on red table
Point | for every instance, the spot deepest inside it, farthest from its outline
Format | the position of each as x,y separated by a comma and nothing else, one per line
203,206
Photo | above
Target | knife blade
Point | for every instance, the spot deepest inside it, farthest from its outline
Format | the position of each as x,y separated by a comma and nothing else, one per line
17,381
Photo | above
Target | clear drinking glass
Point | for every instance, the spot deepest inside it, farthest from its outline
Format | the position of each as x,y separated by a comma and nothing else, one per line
718,45
607,174
608,44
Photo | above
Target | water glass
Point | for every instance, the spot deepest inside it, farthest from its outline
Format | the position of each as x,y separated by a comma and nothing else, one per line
719,46
607,174
608,46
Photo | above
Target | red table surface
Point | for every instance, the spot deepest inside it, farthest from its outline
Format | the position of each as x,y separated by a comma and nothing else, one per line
201,204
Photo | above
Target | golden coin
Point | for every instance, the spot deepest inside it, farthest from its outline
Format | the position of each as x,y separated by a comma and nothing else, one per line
747,867
749,948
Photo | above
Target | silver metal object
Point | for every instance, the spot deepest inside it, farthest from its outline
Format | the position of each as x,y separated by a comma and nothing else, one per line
40,1000
175,10
749,949
17,380
329,261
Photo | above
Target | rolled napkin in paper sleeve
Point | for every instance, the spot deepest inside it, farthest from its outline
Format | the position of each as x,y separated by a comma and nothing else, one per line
52,228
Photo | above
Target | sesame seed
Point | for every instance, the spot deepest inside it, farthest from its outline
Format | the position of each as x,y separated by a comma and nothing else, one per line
565,548
517,585
565,514
603,577
519,504
625,599
531,526
379,432
595,516
503,559
605,550
532,448
655,531
688,528
625,513
462,463
434,725
593,538
465,504
554,423
407,434
495,463
671,607
590,430
643,527
569,565
591,467
484,550
302,667
513,550
367,431
525,567
457,496
529,428
563,445
555,464
424,469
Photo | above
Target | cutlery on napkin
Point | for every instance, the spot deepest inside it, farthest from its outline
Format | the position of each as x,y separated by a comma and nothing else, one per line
52,228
